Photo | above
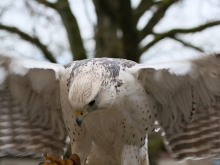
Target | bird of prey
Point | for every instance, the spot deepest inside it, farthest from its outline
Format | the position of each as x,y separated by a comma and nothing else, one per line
109,106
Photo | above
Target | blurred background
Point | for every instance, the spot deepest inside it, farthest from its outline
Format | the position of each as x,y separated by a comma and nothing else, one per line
140,30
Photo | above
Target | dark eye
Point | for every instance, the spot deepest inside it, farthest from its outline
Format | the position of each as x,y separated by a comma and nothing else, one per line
92,102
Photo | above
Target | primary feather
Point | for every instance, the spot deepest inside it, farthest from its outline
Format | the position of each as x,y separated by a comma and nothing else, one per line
31,120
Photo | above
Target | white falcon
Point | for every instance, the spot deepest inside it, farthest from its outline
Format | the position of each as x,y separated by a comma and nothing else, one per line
109,106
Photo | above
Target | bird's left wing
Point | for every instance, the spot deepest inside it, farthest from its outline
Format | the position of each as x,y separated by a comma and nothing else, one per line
31,121
185,91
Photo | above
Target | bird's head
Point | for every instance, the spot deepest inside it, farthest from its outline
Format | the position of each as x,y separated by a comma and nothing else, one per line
88,94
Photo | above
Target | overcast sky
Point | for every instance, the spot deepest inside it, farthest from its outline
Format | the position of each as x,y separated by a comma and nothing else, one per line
186,14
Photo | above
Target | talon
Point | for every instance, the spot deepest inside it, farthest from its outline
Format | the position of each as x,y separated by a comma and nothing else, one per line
73,160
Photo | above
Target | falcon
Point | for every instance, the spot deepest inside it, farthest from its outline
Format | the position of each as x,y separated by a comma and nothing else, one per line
109,106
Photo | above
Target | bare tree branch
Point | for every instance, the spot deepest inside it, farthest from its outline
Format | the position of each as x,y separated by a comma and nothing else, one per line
192,30
71,25
158,15
142,8
4,9
48,4
173,32
31,39
188,44
72,28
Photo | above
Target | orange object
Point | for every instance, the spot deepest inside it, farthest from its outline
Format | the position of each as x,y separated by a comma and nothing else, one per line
73,160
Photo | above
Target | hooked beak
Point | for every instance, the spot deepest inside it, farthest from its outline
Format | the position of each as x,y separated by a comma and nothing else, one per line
79,117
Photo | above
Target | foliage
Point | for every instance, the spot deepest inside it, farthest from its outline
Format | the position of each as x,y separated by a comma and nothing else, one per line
155,148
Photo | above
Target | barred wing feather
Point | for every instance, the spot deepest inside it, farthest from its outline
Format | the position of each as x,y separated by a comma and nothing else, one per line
187,94
31,119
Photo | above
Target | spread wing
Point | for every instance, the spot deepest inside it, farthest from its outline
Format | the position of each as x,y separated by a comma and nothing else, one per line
31,121
187,94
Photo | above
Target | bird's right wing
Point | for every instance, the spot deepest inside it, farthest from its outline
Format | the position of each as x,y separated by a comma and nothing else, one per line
186,91
31,121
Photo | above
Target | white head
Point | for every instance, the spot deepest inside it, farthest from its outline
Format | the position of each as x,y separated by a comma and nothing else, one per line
88,94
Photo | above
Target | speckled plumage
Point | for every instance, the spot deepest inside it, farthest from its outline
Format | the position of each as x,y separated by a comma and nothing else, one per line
111,81
119,101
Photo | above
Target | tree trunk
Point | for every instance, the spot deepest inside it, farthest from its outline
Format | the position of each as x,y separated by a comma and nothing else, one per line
130,36
116,34
108,43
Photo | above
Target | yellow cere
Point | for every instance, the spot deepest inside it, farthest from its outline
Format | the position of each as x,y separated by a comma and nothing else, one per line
77,113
